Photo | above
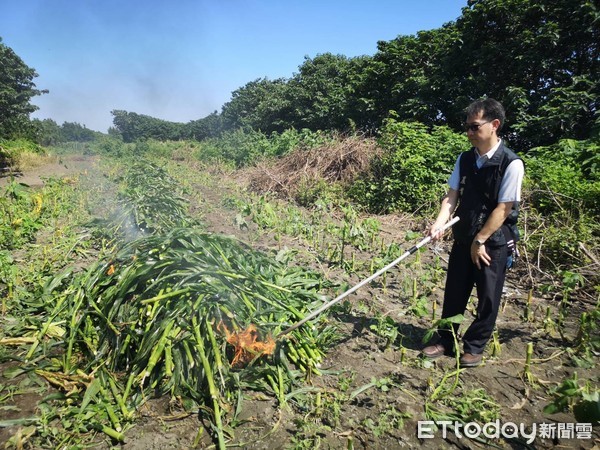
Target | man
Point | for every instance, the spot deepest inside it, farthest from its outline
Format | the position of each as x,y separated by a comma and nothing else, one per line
486,186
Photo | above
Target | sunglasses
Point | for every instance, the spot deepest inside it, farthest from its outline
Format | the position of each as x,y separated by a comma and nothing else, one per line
474,126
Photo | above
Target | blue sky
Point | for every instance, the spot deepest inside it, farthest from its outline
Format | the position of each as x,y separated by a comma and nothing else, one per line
180,60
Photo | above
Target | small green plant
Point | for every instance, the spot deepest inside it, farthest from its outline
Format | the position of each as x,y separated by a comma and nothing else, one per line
345,381
527,374
307,435
448,323
570,282
549,323
386,329
8,273
20,215
419,306
584,400
384,384
388,420
443,388
328,407
473,406
528,314
495,345
587,341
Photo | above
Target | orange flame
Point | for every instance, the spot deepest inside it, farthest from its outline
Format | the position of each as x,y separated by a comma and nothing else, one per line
246,344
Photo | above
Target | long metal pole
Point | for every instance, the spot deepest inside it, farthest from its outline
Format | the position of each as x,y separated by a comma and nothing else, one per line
410,251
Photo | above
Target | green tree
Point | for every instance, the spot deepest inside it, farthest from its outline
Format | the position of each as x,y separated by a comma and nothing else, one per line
74,132
403,77
540,58
261,104
324,92
48,132
323,95
205,128
16,90
134,127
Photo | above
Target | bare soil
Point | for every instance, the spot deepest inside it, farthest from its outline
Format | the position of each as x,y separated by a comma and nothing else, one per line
64,166
362,356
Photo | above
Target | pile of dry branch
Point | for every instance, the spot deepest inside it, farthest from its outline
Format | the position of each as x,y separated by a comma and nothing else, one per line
340,161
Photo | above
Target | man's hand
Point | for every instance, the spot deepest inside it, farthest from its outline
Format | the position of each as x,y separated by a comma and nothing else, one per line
479,255
435,231
448,205
497,217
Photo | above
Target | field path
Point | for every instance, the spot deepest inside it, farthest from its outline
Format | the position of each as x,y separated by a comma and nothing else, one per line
60,167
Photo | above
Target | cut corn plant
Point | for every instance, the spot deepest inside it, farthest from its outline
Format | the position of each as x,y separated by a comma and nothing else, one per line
193,315
20,210
152,199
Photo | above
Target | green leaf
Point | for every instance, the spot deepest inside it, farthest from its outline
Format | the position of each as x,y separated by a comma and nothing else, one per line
19,422
90,394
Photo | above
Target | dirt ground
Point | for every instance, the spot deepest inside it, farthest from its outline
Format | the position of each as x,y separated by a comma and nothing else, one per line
57,167
362,356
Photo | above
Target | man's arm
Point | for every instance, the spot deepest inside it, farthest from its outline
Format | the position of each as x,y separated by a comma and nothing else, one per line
510,192
448,205
494,222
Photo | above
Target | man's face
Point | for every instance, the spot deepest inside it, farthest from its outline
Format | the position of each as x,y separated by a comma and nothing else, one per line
480,130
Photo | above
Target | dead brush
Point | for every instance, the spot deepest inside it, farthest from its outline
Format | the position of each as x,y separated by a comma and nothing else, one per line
29,160
340,161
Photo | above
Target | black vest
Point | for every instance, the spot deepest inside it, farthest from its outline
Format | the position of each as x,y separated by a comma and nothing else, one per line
478,197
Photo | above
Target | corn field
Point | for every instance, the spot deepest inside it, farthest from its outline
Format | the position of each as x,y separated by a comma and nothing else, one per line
123,296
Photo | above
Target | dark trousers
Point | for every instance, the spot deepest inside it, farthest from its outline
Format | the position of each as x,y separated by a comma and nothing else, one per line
489,280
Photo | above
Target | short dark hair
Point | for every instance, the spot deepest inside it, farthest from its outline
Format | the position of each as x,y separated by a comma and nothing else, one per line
492,109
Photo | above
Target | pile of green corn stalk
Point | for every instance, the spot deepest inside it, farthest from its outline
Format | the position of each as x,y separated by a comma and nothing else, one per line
167,314
184,313
152,199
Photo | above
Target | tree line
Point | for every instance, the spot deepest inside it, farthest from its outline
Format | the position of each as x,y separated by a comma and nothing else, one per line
540,58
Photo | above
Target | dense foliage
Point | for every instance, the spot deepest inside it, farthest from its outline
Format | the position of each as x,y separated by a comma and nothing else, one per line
16,90
540,59
569,167
20,211
48,132
321,96
243,147
412,172
236,148
133,127
563,182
